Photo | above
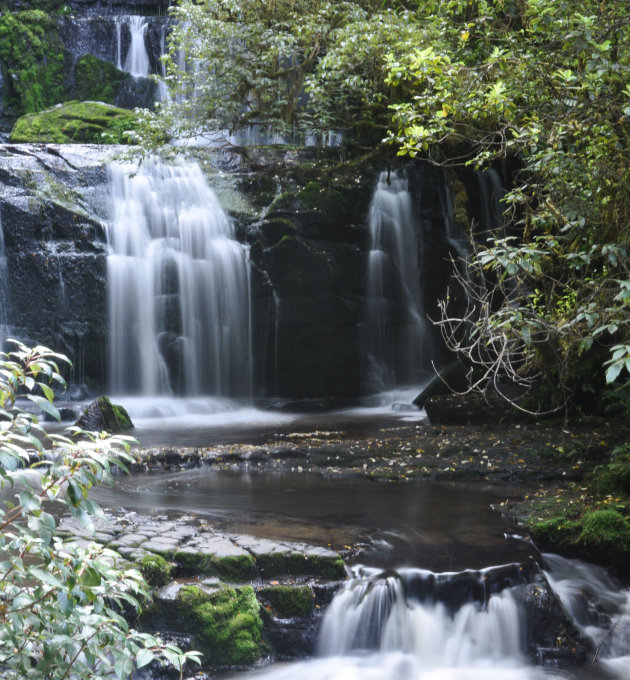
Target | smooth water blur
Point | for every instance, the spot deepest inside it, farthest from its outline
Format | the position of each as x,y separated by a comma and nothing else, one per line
396,349
178,286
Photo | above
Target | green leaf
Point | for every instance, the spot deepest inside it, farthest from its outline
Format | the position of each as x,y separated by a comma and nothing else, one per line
45,406
144,657
613,372
29,501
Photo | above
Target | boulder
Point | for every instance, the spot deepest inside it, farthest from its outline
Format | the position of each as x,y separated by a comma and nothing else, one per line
101,415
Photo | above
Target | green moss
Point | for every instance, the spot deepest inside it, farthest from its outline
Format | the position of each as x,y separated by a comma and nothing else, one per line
155,569
76,122
289,600
605,529
614,477
34,61
98,80
318,197
298,564
283,201
226,624
230,567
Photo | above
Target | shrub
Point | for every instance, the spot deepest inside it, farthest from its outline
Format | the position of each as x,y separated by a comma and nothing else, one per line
61,603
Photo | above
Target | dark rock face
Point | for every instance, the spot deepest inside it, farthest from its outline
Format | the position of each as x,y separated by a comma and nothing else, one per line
551,638
309,253
52,205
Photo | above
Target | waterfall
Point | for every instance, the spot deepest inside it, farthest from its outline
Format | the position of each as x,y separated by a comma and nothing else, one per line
379,628
491,195
374,613
179,289
136,61
396,327
4,292
598,607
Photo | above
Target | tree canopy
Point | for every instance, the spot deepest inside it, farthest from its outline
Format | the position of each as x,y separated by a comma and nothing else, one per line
539,89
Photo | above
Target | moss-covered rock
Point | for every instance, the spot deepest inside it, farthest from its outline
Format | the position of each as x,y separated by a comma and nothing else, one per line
98,80
298,564
101,415
76,122
317,196
287,600
155,569
34,61
230,567
606,530
226,624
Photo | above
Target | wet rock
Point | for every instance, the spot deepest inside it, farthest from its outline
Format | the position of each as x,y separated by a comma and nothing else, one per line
215,555
552,640
292,559
225,624
103,416
288,601
468,409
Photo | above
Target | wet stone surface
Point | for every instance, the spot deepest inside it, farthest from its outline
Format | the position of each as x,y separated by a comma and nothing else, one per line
196,549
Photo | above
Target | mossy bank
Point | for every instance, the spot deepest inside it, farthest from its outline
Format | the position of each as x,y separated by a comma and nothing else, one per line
76,122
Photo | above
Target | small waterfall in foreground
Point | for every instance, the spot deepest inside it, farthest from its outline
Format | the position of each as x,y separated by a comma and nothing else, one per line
376,612
396,327
179,289
413,624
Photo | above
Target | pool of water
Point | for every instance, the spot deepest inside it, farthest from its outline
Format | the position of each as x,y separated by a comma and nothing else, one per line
443,526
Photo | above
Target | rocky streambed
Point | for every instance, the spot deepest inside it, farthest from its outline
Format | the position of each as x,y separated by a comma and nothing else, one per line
245,589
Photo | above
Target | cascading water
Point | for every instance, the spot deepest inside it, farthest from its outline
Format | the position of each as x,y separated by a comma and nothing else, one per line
417,625
598,607
136,61
179,289
491,194
396,327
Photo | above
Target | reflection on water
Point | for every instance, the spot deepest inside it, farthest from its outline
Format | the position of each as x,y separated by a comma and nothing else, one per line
439,525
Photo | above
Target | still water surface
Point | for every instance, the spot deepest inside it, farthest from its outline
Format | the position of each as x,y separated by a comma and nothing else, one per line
440,526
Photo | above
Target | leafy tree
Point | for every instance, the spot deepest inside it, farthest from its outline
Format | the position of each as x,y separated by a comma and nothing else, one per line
541,87
61,602
294,69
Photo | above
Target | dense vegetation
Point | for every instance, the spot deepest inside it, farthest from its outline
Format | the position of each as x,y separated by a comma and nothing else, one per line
62,603
539,89
34,61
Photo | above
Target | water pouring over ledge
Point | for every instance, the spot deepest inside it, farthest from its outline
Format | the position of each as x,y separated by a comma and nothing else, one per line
377,628
178,287
396,335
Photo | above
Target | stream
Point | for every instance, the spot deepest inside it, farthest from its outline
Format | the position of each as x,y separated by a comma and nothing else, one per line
401,615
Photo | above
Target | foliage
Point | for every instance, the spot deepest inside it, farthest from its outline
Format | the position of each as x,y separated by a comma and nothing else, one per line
78,122
544,86
33,59
61,603
282,71
537,88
